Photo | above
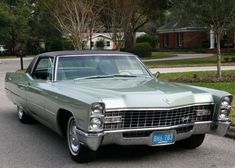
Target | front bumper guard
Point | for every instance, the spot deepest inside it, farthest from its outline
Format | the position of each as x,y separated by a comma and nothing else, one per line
94,140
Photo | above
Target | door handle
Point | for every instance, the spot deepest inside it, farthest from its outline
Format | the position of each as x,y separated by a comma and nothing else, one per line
20,86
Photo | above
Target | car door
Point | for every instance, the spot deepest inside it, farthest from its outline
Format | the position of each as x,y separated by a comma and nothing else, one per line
36,90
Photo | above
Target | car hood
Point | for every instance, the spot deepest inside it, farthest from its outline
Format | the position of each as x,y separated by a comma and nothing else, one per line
134,92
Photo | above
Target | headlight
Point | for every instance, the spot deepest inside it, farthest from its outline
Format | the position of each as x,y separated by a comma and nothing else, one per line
97,109
96,124
225,109
96,117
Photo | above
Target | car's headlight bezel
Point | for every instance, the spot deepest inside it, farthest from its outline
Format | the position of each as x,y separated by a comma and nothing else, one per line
225,108
96,121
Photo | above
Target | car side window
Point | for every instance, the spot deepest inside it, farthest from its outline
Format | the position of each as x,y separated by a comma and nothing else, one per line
31,65
43,69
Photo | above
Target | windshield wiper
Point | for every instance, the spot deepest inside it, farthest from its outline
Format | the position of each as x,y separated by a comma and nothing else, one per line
106,76
95,77
125,76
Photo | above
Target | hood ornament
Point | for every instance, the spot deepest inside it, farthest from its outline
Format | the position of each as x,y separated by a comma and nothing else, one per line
167,101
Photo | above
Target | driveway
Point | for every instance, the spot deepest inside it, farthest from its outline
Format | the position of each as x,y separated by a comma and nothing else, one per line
35,146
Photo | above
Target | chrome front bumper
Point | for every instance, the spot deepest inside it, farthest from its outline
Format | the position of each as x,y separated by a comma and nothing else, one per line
95,140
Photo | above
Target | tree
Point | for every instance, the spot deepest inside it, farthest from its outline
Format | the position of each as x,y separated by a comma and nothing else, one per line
115,20
74,18
216,15
14,16
125,17
141,12
42,29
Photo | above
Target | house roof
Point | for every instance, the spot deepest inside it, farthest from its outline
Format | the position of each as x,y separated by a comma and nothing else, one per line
171,27
105,35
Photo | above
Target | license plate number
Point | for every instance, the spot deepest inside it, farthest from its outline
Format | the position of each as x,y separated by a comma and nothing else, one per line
160,138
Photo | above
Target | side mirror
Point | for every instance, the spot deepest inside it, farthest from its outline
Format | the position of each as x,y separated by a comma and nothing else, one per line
157,74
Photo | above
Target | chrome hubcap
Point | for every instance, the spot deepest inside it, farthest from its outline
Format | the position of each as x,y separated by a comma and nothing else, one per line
20,113
73,141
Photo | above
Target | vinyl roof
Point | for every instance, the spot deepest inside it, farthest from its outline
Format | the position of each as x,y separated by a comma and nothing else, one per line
83,52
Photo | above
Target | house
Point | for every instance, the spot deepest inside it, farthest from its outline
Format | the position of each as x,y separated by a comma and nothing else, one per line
106,38
179,36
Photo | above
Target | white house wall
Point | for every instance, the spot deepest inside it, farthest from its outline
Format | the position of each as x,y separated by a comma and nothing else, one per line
106,37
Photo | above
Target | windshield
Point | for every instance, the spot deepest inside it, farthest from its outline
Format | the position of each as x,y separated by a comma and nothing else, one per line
83,67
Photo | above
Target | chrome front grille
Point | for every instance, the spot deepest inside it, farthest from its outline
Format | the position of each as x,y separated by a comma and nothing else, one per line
131,119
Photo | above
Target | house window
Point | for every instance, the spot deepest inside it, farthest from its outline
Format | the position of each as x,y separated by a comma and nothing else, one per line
92,44
108,43
165,40
180,37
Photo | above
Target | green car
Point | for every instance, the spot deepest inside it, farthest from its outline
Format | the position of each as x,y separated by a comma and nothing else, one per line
95,98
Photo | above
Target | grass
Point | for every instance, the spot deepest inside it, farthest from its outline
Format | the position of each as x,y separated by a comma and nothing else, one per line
229,87
168,76
209,61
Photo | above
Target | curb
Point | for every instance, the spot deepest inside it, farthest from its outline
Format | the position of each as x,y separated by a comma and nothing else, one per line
15,59
231,132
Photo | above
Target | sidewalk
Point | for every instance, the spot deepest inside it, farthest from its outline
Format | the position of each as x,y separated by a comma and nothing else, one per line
180,57
190,69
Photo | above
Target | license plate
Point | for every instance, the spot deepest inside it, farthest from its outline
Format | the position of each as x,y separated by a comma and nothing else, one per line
161,138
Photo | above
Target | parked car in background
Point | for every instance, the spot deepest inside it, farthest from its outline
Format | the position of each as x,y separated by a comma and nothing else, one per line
95,98
2,49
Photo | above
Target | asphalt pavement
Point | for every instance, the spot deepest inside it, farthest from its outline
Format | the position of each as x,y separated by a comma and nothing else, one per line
35,146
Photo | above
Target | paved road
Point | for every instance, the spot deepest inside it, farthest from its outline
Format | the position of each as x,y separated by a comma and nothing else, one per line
35,146
12,64
180,57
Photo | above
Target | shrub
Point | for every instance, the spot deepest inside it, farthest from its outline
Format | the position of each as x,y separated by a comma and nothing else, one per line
143,45
152,40
141,49
205,44
226,59
54,45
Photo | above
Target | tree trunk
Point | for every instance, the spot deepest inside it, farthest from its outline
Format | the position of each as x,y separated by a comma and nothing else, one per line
218,55
77,44
133,39
130,40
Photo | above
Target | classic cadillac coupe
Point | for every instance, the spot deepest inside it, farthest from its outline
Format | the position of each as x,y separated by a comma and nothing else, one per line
99,98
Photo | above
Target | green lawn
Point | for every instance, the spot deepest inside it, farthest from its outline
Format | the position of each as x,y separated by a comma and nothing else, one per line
229,87
209,61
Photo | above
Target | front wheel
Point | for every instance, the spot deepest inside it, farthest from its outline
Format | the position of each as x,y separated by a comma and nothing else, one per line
78,152
22,116
192,142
